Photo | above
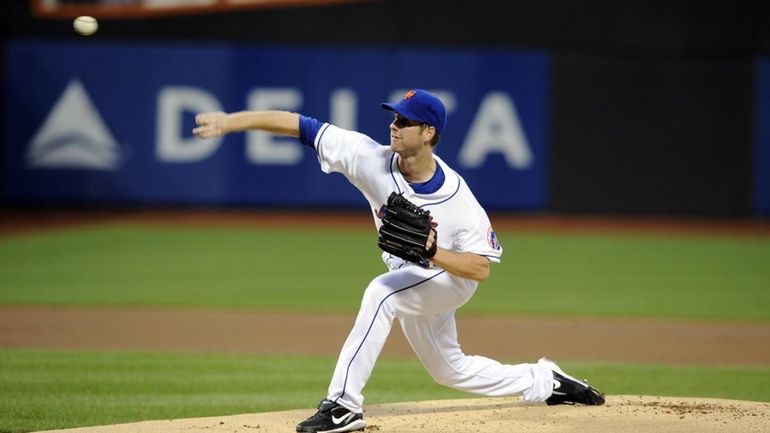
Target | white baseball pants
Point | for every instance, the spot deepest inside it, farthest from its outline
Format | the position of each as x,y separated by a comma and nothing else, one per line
425,300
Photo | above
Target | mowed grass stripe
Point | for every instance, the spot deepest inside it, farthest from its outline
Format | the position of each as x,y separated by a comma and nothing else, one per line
718,277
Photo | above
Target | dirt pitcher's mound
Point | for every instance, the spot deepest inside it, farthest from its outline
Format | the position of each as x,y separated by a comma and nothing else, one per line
642,414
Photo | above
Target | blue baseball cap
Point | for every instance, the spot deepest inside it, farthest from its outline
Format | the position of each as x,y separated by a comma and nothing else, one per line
421,106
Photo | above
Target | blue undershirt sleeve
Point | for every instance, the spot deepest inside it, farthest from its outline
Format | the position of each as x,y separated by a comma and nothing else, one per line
308,129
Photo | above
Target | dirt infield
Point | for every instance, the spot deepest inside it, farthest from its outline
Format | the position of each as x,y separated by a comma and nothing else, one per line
584,339
528,338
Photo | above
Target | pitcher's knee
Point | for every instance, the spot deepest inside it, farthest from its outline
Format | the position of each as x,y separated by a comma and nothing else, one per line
378,294
448,381
446,376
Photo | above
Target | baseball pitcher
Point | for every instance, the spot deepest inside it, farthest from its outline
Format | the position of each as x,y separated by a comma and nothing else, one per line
437,244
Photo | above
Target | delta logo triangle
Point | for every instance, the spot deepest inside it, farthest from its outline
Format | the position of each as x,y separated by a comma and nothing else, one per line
74,136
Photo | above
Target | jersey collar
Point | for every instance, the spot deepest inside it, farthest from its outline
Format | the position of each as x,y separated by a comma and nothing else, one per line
434,184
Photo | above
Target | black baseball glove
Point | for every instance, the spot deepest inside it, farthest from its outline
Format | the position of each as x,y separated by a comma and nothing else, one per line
405,230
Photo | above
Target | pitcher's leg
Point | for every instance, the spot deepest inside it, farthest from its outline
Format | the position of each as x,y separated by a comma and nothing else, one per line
379,306
434,339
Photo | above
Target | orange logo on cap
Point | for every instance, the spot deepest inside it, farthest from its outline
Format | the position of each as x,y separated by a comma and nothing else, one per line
409,94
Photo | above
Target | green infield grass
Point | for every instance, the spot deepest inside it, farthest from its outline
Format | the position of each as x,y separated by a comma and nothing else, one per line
54,389
718,277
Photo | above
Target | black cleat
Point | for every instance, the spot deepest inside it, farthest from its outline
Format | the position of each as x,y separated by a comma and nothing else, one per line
568,390
332,418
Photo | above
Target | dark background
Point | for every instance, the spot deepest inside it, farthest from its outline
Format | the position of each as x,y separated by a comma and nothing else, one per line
651,101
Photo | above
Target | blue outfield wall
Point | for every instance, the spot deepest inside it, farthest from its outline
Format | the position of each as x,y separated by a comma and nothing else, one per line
762,137
101,122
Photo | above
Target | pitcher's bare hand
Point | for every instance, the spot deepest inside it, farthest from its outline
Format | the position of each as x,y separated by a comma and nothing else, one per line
211,125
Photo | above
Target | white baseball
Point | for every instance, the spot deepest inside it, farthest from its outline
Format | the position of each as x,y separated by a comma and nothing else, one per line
85,25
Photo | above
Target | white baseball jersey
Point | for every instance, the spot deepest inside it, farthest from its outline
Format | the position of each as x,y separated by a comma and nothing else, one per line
463,226
424,299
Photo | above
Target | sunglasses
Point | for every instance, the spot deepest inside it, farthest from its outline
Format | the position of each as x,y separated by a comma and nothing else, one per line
402,122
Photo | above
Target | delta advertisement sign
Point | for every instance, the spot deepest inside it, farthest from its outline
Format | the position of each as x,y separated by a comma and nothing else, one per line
112,122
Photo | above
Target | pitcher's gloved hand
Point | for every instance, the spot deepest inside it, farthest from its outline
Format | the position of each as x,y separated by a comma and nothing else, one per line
405,230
